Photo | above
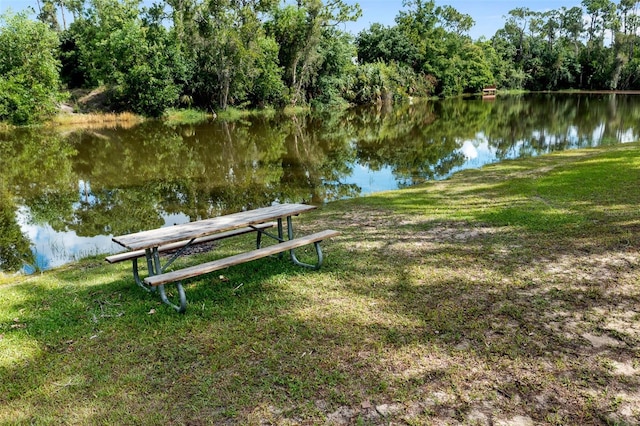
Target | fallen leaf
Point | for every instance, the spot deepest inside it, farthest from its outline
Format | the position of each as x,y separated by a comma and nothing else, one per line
151,312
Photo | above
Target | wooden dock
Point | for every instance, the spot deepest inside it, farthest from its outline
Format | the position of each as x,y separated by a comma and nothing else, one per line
489,92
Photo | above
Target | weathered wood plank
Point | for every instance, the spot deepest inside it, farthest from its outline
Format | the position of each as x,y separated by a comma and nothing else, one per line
201,228
215,265
119,257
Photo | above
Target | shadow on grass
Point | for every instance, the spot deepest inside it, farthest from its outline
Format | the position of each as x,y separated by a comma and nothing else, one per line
535,297
424,312
546,325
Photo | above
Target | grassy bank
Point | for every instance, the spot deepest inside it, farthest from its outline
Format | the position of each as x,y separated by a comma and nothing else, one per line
97,120
508,294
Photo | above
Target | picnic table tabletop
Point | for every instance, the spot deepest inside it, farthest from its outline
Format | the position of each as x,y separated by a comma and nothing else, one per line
186,231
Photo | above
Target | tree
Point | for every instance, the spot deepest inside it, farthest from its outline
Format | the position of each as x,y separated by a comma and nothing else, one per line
299,31
516,27
444,49
597,60
48,15
602,17
29,80
544,50
117,48
268,87
230,59
452,20
337,52
380,42
571,26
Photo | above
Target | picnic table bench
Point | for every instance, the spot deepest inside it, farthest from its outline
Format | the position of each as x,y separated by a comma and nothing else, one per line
149,244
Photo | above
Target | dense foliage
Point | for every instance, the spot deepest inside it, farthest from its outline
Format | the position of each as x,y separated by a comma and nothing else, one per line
588,47
29,77
253,53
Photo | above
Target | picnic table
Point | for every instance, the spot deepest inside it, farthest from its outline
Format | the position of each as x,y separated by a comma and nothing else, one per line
179,238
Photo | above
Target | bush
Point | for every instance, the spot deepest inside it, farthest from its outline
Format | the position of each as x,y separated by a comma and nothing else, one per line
29,79
379,82
147,92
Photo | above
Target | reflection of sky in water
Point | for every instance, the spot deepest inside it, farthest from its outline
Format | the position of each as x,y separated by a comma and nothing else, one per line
477,153
626,136
53,248
372,181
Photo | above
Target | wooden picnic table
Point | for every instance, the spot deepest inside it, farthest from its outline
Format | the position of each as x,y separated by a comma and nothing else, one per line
150,243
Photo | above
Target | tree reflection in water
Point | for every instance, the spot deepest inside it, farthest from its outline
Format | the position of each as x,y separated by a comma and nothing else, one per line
91,184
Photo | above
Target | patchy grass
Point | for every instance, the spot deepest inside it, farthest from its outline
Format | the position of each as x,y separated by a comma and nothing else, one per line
508,294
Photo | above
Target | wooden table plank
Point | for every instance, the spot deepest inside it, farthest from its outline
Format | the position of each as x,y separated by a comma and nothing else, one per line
204,268
201,228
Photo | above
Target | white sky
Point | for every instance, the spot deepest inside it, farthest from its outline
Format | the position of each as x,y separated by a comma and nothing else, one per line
488,14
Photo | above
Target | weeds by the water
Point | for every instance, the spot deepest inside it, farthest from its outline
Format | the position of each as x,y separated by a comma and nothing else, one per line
295,110
234,114
507,295
186,116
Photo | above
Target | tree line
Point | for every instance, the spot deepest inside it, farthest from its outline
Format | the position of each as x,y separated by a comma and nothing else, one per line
212,54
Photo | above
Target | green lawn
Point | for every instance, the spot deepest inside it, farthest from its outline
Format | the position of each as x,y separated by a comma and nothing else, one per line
507,294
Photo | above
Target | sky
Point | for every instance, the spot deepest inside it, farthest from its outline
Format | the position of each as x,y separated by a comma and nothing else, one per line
489,15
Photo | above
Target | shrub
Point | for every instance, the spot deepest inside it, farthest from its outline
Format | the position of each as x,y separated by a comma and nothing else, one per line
29,79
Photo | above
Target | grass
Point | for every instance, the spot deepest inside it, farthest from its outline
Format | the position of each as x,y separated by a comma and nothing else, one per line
97,120
504,294
186,116
290,110
236,114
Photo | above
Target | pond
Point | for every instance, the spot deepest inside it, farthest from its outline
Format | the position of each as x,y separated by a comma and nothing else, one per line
64,194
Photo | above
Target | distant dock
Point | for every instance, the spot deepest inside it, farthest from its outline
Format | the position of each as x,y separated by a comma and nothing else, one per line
489,92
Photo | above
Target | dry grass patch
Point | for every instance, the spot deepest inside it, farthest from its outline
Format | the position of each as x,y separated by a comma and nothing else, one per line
92,121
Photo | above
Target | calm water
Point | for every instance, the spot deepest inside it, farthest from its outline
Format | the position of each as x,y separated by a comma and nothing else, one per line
63,195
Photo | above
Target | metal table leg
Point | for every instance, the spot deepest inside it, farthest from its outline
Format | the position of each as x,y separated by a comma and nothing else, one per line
292,253
136,277
155,268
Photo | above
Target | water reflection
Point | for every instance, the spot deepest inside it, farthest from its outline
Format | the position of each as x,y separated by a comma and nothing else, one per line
63,195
